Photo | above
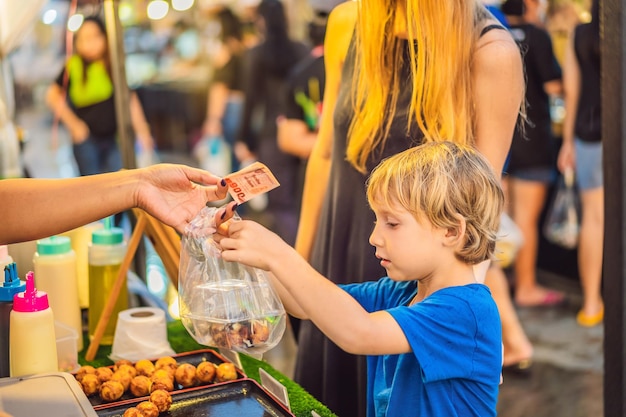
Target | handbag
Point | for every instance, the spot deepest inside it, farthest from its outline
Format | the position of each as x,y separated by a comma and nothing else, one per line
562,223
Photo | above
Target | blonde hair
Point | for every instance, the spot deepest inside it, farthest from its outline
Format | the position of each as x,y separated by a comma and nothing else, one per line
442,37
440,181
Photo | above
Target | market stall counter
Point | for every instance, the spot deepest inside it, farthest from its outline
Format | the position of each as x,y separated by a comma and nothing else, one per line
247,383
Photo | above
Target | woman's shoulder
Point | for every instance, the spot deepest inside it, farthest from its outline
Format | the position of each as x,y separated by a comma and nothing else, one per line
340,29
496,47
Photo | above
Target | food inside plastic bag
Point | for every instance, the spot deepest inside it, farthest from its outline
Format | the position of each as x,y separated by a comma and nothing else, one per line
225,304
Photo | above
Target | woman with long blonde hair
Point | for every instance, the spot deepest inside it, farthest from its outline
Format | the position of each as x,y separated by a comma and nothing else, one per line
398,72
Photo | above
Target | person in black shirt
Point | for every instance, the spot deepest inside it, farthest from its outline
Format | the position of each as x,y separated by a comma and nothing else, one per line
582,150
88,111
266,67
532,161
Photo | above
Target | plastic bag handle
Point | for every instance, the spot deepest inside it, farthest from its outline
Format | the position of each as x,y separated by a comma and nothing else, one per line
568,176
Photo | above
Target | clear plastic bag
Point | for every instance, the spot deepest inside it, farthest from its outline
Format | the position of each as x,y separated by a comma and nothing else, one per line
562,223
225,304
509,241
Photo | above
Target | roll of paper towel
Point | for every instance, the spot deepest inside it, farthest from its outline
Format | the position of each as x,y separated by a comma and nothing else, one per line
140,333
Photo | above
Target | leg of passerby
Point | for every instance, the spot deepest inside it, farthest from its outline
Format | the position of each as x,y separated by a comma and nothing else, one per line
518,350
528,199
590,248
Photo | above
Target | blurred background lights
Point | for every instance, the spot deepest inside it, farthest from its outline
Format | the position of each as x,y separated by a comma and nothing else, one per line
157,9
49,16
74,22
182,5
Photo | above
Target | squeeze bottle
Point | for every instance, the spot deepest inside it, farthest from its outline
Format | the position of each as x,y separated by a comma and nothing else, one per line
55,268
106,253
11,286
32,341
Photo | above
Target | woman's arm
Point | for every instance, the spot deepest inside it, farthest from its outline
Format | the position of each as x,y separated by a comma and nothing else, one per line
295,138
571,87
55,99
498,90
338,34
37,208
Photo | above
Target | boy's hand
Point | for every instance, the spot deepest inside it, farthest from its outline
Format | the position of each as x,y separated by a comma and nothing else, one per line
252,244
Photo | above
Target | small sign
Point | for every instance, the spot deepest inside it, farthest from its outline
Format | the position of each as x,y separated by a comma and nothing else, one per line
277,389
232,356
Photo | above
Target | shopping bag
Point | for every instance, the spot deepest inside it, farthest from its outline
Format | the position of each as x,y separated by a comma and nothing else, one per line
562,223
225,304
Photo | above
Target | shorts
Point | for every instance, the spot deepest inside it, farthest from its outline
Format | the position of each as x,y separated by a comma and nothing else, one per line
588,165
544,175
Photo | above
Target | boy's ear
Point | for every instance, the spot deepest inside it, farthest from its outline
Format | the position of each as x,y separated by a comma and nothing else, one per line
456,234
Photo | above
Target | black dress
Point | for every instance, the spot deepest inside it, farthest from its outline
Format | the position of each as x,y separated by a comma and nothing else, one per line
342,251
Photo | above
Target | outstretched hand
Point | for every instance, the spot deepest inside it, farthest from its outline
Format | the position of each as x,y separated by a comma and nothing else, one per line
176,193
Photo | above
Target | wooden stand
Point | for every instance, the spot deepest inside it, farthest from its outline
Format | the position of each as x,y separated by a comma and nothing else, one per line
166,243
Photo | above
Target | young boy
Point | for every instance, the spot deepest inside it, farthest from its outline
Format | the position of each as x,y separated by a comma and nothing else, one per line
431,332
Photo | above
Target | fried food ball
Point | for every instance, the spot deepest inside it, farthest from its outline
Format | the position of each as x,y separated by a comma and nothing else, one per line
121,362
260,332
145,367
84,370
148,409
166,384
166,361
132,412
130,369
104,373
205,372
185,375
90,384
122,377
162,399
140,386
226,372
111,390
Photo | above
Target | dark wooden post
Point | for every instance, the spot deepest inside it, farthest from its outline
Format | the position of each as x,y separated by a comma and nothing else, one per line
118,75
614,158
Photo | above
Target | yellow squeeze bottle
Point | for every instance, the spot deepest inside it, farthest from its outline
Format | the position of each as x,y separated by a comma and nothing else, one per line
106,252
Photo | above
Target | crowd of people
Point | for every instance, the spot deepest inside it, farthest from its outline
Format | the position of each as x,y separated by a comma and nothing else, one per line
364,124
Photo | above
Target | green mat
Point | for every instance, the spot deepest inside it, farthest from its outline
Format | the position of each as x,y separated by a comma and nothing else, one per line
302,403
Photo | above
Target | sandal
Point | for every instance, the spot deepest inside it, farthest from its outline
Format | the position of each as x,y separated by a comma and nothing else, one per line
590,321
551,299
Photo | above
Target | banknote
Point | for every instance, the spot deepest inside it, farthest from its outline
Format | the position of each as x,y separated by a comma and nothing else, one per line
250,181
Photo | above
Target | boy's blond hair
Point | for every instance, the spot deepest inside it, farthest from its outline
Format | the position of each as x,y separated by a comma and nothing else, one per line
440,181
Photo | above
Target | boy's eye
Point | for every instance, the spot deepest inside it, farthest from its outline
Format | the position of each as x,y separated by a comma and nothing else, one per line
390,224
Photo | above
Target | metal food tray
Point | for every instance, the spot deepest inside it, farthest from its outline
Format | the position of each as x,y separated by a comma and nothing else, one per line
194,358
236,398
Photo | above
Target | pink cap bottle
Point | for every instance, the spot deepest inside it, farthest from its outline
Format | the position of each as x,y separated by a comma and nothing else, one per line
32,339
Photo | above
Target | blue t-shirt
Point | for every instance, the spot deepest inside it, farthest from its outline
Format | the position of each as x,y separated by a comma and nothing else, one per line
456,338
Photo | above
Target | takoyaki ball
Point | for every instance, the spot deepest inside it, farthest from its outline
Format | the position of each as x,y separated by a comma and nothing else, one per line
85,370
226,372
104,374
90,384
166,362
144,367
121,362
140,386
130,369
162,383
260,332
148,409
162,399
132,412
122,377
185,375
111,390
205,372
